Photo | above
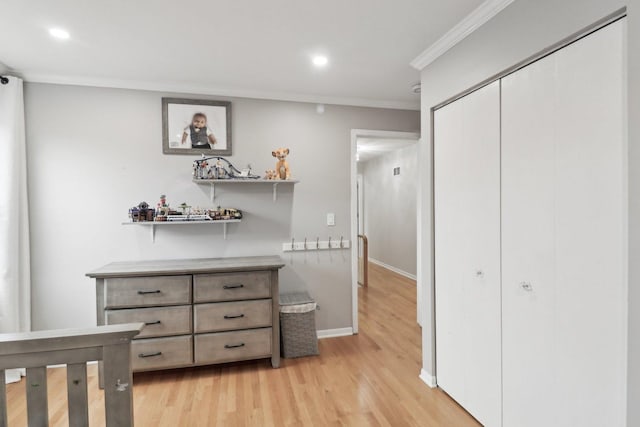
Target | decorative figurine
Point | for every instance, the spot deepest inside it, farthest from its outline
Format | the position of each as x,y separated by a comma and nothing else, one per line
270,174
282,166
201,169
162,209
220,172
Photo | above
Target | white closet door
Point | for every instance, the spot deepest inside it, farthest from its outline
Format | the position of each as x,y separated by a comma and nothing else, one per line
467,251
563,237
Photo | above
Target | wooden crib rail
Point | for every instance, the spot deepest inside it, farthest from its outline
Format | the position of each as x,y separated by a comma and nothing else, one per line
73,347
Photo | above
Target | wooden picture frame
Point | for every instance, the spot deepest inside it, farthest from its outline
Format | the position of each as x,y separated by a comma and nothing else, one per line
182,131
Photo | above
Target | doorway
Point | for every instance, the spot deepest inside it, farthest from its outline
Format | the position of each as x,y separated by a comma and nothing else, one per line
383,203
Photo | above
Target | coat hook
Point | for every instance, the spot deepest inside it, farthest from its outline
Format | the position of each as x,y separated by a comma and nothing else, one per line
317,243
293,248
341,244
329,242
305,243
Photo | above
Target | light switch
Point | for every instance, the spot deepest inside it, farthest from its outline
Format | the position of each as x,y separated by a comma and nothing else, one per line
331,219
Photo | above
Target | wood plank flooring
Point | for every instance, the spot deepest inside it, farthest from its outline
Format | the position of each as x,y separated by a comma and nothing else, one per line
370,379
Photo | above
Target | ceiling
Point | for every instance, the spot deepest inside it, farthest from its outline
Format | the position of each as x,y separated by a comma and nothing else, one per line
368,148
254,48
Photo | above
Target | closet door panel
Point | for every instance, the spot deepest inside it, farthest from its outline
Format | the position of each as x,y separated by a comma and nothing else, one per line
563,233
590,229
528,287
467,209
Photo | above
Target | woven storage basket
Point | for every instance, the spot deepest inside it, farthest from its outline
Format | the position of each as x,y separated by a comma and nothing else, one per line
298,325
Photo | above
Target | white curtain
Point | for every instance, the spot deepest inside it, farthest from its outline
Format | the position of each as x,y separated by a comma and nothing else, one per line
15,283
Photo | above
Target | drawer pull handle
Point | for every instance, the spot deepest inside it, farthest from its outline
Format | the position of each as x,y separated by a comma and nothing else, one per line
157,353
157,291
234,345
155,322
235,316
237,286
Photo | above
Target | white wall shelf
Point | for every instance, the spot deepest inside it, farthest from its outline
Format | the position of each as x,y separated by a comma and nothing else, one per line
154,224
274,182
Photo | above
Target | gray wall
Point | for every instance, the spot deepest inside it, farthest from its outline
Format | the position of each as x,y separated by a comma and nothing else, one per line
522,29
390,208
633,385
95,152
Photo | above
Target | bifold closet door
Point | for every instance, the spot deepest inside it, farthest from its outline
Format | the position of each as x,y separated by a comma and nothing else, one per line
563,237
467,251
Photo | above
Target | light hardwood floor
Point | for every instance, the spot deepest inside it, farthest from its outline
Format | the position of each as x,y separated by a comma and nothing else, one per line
366,380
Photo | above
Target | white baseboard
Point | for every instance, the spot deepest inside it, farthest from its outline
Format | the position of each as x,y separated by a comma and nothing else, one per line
332,333
428,379
394,269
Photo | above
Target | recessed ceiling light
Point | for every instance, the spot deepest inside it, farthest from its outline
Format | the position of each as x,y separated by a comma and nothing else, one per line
59,33
320,60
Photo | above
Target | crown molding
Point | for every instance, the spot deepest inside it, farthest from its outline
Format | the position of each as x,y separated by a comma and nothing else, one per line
195,89
468,25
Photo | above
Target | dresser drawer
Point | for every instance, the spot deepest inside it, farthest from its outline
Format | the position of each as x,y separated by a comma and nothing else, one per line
231,286
159,321
147,291
155,353
226,316
232,346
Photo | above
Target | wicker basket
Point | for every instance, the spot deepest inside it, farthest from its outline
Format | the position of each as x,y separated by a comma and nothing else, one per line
298,325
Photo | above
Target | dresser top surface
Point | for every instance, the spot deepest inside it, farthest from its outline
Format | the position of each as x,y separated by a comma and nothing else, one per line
187,266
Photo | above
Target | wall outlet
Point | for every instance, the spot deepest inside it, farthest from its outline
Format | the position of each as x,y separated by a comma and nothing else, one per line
331,219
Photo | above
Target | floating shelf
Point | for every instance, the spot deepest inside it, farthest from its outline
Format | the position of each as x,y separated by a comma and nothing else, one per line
274,182
154,224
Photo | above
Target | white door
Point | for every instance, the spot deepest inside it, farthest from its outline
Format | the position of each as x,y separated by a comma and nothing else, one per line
467,251
563,237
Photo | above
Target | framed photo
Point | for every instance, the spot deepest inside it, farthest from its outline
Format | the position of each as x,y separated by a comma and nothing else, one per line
192,126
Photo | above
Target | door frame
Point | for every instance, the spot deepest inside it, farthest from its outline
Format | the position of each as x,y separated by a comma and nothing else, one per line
370,133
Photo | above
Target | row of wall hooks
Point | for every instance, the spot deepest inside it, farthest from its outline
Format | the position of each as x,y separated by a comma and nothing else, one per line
315,244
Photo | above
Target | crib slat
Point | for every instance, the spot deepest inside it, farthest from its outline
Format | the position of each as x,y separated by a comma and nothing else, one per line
77,395
118,383
37,408
3,400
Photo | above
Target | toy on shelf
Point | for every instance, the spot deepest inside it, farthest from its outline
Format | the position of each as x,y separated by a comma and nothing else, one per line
141,213
225,214
164,213
222,169
270,174
282,166
162,209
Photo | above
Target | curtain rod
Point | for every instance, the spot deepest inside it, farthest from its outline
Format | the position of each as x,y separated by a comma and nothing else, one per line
4,80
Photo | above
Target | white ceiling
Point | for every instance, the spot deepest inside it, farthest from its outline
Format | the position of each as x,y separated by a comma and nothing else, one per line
233,47
368,148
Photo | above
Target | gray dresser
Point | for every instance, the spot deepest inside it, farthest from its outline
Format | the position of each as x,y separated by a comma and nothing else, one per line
195,311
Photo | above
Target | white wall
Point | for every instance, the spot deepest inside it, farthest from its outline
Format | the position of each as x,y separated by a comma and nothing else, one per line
390,208
633,74
522,29
94,152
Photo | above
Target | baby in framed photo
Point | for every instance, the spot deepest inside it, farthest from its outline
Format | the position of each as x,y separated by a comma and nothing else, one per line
198,134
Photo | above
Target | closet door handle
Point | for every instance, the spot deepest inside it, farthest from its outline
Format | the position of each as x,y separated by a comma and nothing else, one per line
236,286
155,322
157,353
233,316
157,291
526,286
234,345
